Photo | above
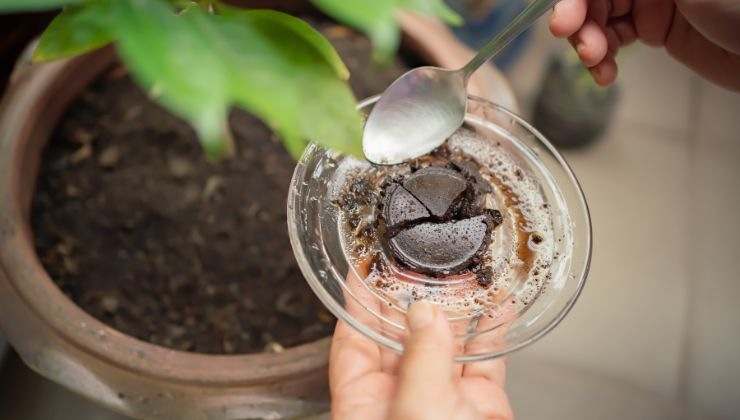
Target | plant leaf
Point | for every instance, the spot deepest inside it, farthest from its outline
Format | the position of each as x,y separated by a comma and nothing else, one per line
170,56
434,8
286,80
377,18
76,30
201,64
311,36
34,5
374,18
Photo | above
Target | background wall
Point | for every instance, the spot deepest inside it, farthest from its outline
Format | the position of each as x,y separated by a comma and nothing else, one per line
656,332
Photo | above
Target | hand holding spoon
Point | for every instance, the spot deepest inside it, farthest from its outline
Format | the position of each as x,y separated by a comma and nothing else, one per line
427,104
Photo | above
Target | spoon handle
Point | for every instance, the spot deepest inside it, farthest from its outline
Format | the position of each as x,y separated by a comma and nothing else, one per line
524,20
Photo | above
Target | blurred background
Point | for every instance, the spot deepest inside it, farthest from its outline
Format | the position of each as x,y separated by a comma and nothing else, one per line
656,332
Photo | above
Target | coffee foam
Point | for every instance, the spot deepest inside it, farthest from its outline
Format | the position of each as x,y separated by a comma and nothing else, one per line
522,250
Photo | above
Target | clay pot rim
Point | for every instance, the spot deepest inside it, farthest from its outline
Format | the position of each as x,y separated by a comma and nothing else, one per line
68,323
33,95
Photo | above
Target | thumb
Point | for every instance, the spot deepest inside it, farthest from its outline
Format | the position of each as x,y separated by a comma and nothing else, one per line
426,369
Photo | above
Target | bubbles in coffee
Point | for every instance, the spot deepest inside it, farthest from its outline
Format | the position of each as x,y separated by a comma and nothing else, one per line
467,227
431,225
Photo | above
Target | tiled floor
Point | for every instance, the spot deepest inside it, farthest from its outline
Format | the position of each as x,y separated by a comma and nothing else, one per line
547,390
630,319
713,336
656,333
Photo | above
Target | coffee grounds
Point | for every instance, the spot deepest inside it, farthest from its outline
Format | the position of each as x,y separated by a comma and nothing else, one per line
434,220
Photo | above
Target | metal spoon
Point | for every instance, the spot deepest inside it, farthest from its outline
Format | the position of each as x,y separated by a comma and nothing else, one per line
427,104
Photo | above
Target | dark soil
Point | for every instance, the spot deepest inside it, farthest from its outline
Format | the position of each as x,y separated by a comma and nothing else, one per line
139,230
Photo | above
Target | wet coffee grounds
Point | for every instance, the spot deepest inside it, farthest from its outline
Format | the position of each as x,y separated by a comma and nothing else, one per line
435,221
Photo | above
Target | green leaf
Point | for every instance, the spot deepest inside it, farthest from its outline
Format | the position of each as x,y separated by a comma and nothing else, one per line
200,64
377,18
76,30
434,8
170,56
286,80
34,5
311,36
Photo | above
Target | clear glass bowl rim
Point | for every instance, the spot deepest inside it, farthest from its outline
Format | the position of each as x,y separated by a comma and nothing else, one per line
342,315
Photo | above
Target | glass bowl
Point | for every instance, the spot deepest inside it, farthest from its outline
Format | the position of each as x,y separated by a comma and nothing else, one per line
525,309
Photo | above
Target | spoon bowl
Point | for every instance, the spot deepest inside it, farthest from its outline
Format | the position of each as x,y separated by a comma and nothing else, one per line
426,105
415,115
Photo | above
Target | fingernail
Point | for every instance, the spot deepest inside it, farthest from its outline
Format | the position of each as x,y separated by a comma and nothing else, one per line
580,47
420,315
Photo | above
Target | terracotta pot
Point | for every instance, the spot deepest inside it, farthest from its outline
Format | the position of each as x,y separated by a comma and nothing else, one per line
63,343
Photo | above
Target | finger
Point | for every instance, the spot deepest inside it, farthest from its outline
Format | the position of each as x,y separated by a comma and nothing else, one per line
459,331
427,363
624,29
567,17
352,355
612,42
390,359
360,302
692,48
392,324
598,11
716,20
604,73
653,21
490,399
590,43
493,370
492,329
352,362
620,8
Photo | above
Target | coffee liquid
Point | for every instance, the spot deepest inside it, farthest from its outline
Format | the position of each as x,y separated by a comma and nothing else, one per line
391,248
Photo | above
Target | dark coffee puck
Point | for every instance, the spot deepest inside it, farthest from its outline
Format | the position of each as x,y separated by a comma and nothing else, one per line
435,220
436,188
401,208
442,248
